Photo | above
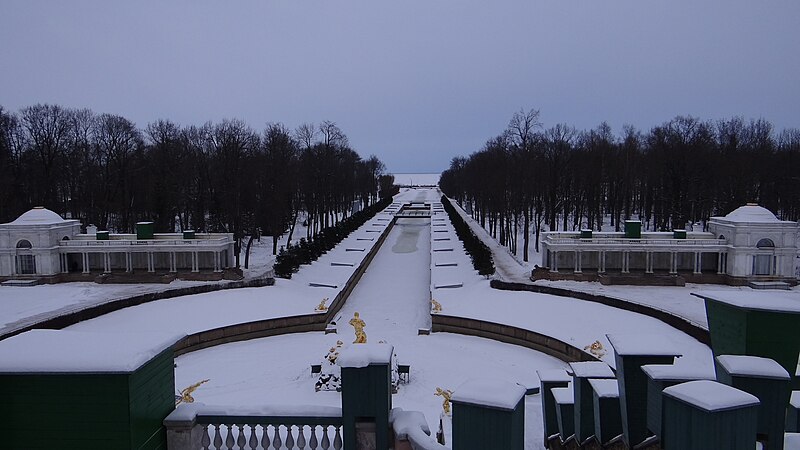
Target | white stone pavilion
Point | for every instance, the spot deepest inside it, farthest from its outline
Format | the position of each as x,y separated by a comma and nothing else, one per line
750,244
42,244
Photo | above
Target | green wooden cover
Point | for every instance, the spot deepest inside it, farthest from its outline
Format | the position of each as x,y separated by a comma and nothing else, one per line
607,418
679,234
792,419
188,234
689,428
655,400
366,397
586,234
144,230
88,411
633,394
774,397
584,409
633,229
739,331
565,413
477,427
550,418
101,235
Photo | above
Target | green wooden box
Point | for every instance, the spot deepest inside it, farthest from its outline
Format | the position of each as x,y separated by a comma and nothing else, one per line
548,379
768,381
101,235
586,233
633,229
188,234
366,393
75,390
582,372
755,323
662,376
488,414
144,230
607,414
565,411
793,413
679,234
631,352
705,415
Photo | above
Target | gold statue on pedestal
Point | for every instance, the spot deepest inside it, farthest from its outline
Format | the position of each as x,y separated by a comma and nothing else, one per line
596,349
185,396
437,307
358,324
446,394
321,306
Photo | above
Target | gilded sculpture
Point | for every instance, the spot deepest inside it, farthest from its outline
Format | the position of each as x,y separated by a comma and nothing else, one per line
446,394
358,325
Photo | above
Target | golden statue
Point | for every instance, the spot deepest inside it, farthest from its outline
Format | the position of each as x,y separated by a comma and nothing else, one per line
321,306
185,395
358,324
446,394
437,307
596,349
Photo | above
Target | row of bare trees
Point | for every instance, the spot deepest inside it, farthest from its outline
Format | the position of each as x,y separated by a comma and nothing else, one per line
531,179
222,177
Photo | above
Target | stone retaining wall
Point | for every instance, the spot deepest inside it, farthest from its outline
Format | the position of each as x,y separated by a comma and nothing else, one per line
695,331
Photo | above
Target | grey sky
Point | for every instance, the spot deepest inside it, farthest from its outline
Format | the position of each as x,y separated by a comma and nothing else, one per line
414,82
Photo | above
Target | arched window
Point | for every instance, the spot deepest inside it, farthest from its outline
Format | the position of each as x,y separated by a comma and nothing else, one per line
26,263
721,237
765,243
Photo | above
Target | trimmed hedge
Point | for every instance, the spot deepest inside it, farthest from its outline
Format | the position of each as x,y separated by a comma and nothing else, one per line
292,257
478,251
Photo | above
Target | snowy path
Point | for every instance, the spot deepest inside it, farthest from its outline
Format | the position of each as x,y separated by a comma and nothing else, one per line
392,296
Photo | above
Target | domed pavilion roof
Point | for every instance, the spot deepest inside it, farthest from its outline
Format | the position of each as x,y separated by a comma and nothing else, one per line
751,212
39,216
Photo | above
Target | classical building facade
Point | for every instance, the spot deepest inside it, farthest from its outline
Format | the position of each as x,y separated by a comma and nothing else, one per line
42,244
749,244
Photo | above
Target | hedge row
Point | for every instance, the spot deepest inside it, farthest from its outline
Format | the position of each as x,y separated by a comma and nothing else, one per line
292,257
478,251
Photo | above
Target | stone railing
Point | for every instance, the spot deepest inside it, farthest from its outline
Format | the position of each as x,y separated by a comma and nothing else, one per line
151,242
200,427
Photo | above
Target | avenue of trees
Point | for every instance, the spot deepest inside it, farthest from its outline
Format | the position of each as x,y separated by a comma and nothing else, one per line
531,179
222,177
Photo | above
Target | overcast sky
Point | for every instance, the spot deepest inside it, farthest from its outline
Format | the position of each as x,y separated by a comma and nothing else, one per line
415,82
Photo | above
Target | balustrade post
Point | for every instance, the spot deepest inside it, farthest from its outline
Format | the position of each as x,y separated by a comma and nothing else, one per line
183,433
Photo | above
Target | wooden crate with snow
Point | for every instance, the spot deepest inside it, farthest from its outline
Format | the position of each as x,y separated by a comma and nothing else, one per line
662,376
79,390
488,414
631,352
793,414
607,415
755,323
704,414
366,395
768,381
548,379
582,372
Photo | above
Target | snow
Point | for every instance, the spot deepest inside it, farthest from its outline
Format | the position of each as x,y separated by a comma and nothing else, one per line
782,301
794,400
39,216
554,375
753,366
407,422
605,388
710,395
60,351
671,372
642,345
751,213
791,441
495,393
591,369
564,395
362,355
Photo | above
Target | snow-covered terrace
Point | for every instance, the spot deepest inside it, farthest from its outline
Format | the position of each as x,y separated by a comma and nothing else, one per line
561,241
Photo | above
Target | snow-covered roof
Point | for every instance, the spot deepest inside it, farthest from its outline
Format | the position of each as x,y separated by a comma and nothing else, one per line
362,355
794,400
753,366
62,351
672,372
606,388
489,392
591,369
642,345
751,213
784,302
39,216
710,395
554,375
564,395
